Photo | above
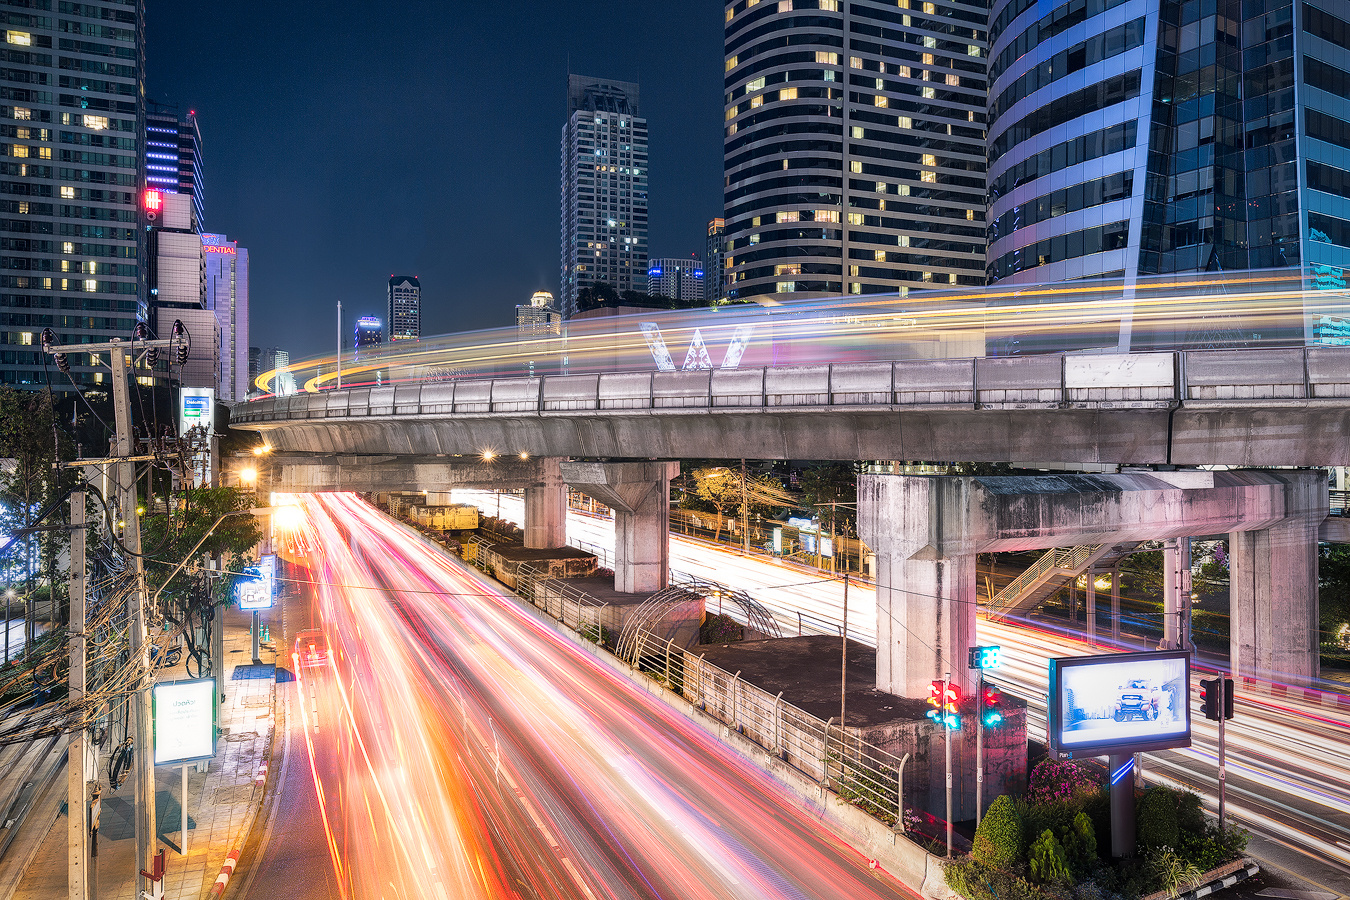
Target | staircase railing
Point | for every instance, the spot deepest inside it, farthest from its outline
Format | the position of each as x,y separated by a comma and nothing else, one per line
1069,560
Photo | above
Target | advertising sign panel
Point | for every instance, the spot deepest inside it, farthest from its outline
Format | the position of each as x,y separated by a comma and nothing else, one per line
185,721
1120,702
257,589
196,407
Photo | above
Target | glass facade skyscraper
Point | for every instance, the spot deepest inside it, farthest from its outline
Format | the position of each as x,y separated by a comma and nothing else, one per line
72,252
173,154
854,146
226,265
1139,137
604,189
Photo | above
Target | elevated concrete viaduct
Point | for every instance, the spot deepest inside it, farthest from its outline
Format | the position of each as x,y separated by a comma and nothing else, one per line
926,532
638,492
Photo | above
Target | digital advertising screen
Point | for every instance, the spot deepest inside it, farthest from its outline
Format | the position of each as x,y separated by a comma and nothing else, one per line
185,721
257,588
1120,702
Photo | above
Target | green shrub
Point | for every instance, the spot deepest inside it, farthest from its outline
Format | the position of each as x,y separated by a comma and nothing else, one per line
1176,874
1190,815
1211,848
1156,819
1047,860
1054,779
998,840
1080,844
976,881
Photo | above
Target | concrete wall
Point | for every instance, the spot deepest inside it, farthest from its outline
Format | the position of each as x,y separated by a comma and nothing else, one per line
1240,407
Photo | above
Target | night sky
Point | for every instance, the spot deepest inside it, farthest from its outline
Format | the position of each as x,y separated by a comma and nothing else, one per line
345,141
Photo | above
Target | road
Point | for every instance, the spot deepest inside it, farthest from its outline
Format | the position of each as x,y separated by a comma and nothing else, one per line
457,747
1288,766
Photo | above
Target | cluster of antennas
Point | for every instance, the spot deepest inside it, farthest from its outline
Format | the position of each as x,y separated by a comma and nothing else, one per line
179,339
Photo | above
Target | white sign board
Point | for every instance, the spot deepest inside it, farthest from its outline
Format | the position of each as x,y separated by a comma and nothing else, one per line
185,721
196,407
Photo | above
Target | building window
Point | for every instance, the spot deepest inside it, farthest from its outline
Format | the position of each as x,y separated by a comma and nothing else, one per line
90,285
824,57
855,288
98,123
855,218
788,94
22,113
881,187
756,85
22,38
788,269
756,101
827,215
67,247
879,100
855,166
857,132
732,62
790,215
879,255
784,6
929,93
855,62
829,5
787,287
67,192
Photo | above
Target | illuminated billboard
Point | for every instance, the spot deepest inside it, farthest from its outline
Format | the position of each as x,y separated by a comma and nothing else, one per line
196,408
257,589
185,720
1120,702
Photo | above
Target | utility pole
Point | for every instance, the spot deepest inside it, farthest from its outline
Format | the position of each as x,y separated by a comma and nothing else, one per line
77,795
745,512
141,715
143,757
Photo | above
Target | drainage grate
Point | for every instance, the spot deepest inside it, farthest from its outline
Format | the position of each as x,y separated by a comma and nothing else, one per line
243,673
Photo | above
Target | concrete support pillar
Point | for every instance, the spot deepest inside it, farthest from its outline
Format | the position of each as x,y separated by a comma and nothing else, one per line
639,494
925,578
1176,594
546,508
1273,595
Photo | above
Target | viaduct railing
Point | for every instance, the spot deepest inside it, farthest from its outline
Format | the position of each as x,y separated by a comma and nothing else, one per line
1271,377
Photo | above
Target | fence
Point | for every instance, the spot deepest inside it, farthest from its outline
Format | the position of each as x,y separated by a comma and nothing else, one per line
837,758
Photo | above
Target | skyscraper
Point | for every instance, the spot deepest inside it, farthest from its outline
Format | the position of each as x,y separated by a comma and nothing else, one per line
854,146
173,154
368,333
1132,138
405,308
177,278
227,297
604,188
538,316
70,178
678,279
713,291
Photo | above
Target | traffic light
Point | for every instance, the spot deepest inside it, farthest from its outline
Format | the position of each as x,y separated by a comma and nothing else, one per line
1214,691
951,712
991,707
944,702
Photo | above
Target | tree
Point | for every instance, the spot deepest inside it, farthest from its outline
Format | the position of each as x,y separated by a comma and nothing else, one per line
722,488
825,483
170,536
1333,576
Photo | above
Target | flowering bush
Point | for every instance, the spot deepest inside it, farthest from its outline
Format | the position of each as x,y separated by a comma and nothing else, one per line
1055,780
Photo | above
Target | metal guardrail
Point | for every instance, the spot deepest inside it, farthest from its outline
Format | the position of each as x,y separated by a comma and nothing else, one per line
1147,380
1057,559
837,758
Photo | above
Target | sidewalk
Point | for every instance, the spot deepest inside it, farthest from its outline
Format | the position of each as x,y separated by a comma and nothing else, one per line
222,805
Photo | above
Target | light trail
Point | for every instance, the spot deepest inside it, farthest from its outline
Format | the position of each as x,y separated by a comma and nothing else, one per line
463,749
1288,760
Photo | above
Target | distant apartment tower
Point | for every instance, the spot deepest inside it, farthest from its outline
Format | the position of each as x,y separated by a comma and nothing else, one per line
405,308
369,333
254,361
854,146
227,297
1139,137
678,279
538,316
71,173
713,291
173,154
604,188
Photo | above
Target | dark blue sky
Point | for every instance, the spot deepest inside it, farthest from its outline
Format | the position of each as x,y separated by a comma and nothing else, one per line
345,141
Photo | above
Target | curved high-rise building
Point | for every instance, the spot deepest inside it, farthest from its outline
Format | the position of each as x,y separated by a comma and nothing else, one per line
854,146
1139,137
